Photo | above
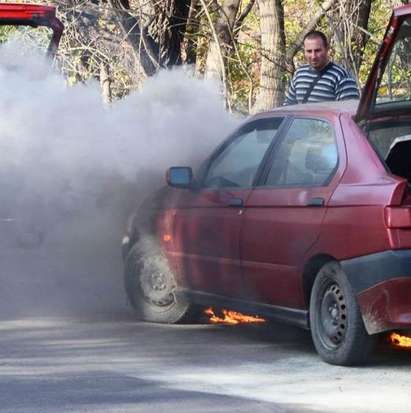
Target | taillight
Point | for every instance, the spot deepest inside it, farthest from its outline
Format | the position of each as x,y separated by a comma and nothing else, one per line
398,217
407,198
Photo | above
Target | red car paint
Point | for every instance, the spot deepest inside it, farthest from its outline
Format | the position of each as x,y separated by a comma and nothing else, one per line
33,15
386,306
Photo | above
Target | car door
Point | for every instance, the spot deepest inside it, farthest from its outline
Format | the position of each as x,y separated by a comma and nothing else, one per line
283,214
208,221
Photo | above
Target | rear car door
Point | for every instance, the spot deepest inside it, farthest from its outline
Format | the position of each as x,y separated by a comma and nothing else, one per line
208,221
284,212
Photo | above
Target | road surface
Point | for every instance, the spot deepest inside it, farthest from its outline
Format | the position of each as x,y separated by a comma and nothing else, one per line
69,343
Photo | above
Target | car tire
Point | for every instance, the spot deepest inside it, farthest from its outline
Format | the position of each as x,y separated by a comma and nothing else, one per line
150,285
336,324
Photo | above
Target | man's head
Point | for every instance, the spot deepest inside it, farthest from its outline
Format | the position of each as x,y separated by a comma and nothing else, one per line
316,49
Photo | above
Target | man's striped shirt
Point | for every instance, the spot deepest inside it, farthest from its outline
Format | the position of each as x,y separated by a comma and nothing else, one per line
334,84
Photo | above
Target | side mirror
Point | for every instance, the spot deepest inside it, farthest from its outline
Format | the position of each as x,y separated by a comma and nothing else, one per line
179,176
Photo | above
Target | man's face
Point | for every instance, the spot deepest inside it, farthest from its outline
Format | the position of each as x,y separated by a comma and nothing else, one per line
316,53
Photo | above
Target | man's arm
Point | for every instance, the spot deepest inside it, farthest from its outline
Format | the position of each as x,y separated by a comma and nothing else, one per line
290,94
347,89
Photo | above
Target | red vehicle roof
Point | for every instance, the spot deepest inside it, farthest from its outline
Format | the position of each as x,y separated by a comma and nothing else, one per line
325,109
26,12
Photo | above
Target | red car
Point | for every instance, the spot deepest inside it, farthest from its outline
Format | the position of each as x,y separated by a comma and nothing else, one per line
25,16
35,16
302,215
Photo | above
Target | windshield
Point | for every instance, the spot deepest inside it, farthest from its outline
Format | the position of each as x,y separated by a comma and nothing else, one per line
395,87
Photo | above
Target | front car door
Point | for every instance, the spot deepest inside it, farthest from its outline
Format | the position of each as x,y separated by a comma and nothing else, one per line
284,212
208,220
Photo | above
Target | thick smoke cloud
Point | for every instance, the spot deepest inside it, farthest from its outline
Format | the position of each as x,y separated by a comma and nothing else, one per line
71,170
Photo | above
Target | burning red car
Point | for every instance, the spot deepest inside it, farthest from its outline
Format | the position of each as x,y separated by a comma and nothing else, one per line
302,215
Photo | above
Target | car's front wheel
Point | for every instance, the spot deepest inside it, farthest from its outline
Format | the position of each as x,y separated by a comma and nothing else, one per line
336,324
150,285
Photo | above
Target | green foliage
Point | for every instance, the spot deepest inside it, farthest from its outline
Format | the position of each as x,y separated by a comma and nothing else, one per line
6,32
380,14
88,43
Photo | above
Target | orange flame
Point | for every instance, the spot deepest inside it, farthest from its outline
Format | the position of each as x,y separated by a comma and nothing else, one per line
231,317
400,341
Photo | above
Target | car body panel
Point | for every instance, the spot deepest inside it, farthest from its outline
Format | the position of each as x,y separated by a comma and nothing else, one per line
382,282
290,219
289,227
387,306
206,236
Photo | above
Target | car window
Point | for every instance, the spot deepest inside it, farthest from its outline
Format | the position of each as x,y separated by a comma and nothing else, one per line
236,165
307,156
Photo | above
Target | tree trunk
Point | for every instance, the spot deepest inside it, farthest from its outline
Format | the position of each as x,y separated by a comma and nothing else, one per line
105,83
176,29
222,42
143,45
360,36
192,26
271,89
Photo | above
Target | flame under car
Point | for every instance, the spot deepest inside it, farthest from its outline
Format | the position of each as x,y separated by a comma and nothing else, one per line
302,215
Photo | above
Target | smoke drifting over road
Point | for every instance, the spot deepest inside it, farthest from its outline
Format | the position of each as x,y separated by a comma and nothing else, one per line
71,168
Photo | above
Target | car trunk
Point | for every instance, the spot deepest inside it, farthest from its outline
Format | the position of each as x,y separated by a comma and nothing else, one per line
384,112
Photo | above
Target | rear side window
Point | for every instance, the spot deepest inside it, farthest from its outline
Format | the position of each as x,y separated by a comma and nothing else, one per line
237,163
307,156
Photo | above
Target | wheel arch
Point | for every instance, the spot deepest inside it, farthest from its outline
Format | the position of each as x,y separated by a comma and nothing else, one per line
311,268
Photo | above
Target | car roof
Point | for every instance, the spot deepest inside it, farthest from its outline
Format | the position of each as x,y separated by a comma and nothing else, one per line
316,109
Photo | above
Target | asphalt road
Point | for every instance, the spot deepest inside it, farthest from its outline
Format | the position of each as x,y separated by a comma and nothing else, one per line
106,364
69,343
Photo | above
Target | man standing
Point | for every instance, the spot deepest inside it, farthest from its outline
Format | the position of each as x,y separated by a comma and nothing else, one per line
320,80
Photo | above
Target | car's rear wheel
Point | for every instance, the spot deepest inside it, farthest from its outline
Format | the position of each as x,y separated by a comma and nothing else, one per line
337,327
150,285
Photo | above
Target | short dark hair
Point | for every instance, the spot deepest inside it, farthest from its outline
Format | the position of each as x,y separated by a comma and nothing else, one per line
316,34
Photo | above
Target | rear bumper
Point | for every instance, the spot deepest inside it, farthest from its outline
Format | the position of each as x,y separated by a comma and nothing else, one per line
382,283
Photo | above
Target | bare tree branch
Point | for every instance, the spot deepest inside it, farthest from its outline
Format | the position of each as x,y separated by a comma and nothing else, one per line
243,15
142,43
293,49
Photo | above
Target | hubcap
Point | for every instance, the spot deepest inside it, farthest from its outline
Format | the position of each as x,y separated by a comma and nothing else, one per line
333,315
157,284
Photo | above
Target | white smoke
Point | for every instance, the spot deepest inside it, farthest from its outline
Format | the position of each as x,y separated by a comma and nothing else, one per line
72,168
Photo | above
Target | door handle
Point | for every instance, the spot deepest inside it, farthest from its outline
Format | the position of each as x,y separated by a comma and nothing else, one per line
236,202
316,202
